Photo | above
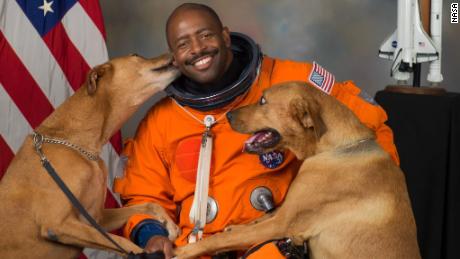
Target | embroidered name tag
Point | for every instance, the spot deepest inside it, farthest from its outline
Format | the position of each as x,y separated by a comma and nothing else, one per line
321,78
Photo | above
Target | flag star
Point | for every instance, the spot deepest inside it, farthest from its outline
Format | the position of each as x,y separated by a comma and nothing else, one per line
46,7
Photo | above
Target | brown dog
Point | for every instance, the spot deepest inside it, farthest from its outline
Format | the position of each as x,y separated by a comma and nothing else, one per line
349,199
37,219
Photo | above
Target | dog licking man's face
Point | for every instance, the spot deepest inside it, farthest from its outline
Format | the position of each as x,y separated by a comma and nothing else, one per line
283,113
146,77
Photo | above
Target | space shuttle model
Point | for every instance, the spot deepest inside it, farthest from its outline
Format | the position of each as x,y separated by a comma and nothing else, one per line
410,45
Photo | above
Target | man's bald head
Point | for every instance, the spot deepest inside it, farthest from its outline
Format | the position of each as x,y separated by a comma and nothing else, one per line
192,7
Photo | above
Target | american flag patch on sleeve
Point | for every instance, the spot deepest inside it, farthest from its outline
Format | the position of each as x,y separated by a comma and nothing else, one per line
321,78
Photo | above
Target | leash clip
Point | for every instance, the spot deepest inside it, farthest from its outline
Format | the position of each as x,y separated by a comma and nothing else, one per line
38,141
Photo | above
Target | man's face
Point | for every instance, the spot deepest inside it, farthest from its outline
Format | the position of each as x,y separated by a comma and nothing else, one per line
200,47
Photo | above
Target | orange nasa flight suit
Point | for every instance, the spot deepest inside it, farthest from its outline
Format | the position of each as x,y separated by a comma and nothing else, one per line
163,157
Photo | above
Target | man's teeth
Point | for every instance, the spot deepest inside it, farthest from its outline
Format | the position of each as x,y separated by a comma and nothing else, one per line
203,61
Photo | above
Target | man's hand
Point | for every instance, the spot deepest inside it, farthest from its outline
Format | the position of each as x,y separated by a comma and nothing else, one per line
160,243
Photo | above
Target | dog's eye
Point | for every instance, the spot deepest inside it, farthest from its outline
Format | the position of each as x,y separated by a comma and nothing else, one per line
262,101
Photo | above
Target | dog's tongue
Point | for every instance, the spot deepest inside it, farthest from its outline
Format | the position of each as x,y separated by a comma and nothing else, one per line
253,140
254,137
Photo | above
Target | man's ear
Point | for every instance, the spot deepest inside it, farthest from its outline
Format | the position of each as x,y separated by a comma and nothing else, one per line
308,115
174,62
226,36
93,77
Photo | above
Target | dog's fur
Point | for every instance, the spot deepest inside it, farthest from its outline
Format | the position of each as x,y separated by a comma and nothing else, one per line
37,219
349,199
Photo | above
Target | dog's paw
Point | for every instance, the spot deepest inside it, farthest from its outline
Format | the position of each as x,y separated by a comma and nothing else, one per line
161,215
173,230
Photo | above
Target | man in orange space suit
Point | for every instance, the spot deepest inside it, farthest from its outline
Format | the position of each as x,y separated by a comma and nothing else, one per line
185,138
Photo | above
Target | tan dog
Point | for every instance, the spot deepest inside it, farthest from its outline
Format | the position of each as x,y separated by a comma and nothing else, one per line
349,199
37,219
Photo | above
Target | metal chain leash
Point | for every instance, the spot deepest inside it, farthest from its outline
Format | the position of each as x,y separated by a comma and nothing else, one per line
91,156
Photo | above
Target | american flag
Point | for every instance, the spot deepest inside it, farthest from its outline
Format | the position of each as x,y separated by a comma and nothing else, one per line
321,78
46,49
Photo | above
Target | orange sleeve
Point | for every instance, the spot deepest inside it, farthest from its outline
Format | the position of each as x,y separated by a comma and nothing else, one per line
371,114
146,177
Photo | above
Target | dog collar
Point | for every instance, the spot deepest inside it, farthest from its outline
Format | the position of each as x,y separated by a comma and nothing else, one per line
40,139
354,144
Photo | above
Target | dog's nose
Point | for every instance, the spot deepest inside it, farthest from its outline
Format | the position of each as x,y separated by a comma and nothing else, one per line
229,116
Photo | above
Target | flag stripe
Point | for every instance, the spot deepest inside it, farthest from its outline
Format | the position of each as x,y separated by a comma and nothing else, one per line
67,56
327,81
331,83
13,75
116,141
34,53
46,49
56,86
93,9
111,202
114,167
7,156
14,126
94,54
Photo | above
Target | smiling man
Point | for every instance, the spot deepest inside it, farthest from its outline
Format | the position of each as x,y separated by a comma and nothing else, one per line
220,71
201,47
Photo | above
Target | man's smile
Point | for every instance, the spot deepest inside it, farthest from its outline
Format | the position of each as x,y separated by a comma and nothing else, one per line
203,63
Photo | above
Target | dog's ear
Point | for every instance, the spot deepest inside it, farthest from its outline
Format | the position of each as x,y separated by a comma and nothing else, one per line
308,115
93,77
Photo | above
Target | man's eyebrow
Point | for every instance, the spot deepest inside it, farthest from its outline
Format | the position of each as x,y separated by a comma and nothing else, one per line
181,38
202,30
